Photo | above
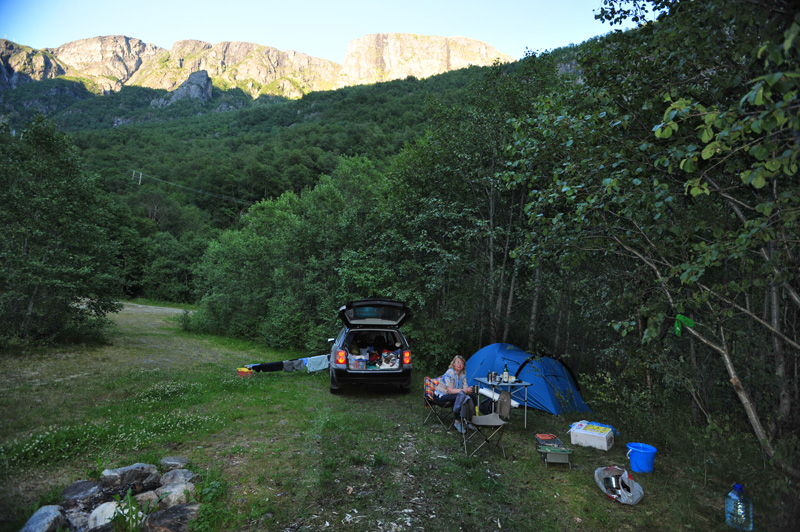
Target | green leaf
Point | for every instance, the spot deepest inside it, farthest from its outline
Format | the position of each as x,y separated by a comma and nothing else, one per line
688,165
791,35
710,150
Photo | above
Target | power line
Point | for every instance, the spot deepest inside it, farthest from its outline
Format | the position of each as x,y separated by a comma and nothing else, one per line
135,174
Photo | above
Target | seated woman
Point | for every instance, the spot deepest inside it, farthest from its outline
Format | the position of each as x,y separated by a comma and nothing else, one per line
452,384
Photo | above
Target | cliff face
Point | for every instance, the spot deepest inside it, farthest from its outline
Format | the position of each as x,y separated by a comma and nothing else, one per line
388,56
21,64
109,63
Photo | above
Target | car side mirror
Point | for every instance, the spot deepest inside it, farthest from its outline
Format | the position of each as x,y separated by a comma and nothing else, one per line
330,340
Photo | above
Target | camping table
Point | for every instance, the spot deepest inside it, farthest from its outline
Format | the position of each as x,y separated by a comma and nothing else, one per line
515,388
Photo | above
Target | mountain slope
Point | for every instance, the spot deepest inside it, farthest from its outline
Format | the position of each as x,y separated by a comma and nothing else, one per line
106,64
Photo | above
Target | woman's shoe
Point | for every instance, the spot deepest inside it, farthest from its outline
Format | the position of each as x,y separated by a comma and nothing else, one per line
460,428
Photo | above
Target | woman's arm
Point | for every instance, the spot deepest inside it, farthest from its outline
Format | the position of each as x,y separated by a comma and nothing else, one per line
454,380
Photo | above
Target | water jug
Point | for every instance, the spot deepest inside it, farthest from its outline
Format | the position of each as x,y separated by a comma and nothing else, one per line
738,509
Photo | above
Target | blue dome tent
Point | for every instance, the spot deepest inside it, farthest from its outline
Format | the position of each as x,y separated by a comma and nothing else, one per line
552,386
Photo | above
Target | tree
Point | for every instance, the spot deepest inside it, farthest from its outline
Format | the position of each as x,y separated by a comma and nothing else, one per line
666,162
58,269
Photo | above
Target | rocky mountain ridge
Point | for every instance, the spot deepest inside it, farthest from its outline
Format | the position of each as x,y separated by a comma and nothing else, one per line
106,64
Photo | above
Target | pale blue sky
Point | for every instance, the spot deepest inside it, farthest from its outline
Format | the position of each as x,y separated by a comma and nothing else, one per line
320,28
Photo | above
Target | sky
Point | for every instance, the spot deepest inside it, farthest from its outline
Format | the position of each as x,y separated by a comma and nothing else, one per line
319,28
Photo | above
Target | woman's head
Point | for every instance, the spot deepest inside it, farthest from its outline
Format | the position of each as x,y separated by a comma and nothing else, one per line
458,363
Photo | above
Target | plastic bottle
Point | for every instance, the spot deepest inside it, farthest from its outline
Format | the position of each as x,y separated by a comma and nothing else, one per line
505,373
738,509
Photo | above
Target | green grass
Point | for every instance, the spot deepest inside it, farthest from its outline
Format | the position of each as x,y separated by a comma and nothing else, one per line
276,451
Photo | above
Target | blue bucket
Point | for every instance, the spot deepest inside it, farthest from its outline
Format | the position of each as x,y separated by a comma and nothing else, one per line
642,457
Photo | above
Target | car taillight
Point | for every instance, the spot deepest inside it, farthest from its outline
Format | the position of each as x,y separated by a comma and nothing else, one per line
406,357
341,357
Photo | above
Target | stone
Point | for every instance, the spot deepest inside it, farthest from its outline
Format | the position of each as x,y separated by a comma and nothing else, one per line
102,514
176,476
89,505
141,474
46,519
82,489
174,462
175,494
147,500
175,519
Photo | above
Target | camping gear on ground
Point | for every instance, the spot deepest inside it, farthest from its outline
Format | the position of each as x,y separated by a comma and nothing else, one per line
311,364
618,484
552,387
442,410
268,367
552,450
244,372
642,457
490,427
738,509
591,434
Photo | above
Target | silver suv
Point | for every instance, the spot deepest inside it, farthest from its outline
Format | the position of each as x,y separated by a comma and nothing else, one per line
370,349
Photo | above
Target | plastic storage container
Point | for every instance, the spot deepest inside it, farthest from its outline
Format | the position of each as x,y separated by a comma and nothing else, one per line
738,509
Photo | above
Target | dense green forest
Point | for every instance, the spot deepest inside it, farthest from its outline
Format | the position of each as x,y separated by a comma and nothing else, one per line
628,205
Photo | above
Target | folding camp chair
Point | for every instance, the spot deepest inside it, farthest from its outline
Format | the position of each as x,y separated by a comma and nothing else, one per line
491,426
443,410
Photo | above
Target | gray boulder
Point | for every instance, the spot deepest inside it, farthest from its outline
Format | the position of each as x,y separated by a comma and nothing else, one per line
174,462
175,494
102,514
82,489
175,519
139,474
46,519
176,476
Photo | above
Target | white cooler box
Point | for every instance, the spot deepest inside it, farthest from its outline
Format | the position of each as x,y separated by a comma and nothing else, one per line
589,435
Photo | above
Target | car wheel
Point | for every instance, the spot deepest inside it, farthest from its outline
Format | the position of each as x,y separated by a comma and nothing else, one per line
405,389
335,388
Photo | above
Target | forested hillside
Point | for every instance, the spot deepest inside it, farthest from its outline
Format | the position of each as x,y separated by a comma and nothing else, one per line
629,206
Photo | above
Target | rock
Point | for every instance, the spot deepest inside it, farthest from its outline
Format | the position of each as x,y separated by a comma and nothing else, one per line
46,519
175,494
102,514
175,519
140,474
88,504
108,527
109,63
147,500
197,87
21,64
176,476
174,462
388,56
82,489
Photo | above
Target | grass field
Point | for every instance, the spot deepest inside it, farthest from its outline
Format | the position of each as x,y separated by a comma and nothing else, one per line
278,452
